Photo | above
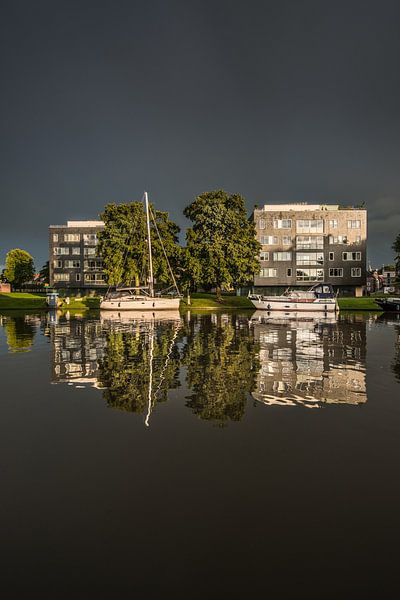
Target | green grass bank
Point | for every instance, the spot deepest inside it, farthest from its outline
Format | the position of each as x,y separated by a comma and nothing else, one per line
198,301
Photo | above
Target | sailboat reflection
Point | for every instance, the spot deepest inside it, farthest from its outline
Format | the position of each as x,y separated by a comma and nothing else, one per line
141,360
310,361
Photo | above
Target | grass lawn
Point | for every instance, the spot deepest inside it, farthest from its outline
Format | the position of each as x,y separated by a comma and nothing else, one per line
25,301
364,303
207,301
22,300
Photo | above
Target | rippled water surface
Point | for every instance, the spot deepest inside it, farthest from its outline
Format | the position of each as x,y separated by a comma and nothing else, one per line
205,455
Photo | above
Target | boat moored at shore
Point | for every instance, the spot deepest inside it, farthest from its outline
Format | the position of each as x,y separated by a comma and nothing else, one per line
319,298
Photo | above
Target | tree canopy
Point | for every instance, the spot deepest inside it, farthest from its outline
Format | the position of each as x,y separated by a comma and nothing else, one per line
222,243
396,248
19,267
123,244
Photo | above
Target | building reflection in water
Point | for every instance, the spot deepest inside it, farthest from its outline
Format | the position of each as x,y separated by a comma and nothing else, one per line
309,360
77,346
220,360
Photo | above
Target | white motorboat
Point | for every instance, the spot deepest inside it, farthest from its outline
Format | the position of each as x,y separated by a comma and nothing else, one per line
143,298
319,298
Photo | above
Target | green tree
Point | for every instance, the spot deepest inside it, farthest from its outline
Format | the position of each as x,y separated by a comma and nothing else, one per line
396,248
45,273
19,267
222,243
123,244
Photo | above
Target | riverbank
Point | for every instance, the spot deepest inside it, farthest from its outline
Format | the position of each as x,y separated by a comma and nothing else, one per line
198,301
26,301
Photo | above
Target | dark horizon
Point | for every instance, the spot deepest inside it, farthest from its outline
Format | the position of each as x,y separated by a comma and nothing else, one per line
278,101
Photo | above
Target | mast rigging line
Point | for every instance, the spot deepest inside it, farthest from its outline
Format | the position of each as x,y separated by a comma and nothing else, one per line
165,254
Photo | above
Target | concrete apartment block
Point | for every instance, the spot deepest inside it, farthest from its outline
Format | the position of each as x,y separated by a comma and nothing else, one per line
73,259
306,243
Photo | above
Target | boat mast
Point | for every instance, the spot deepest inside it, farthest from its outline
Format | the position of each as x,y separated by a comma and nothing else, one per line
151,282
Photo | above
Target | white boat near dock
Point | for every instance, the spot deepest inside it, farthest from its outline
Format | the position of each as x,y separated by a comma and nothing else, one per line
318,298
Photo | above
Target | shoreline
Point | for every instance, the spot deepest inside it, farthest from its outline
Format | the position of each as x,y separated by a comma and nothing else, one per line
199,301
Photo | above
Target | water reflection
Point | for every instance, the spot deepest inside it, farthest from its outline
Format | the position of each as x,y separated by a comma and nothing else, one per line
219,361
220,355
20,331
310,361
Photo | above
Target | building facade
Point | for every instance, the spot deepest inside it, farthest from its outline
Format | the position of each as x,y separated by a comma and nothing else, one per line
73,258
303,244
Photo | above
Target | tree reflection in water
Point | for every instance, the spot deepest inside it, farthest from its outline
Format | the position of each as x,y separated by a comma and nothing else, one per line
138,357
221,360
20,331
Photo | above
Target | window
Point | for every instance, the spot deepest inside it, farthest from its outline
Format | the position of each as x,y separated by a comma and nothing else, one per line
282,255
90,251
268,272
57,264
72,264
55,237
351,255
331,256
286,240
261,224
310,258
90,238
333,224
282,223
353,224
308,242
309,274
61,276
358,239
264,255
72,237
338,239
75,250
355,272
310,226
269,240
333,272
95,277
59,251
78,276
289,272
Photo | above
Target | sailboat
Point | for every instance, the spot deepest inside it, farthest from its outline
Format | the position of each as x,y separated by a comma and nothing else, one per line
143,298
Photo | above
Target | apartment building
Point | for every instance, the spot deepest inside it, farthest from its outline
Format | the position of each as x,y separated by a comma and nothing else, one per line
306,243
73,258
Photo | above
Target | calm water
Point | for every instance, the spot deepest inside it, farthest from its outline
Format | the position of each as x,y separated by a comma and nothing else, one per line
208,456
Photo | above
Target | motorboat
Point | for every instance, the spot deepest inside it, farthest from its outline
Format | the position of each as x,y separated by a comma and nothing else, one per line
318,298
145,297
388,304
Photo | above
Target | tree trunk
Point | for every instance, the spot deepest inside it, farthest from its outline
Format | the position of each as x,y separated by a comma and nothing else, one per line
219,292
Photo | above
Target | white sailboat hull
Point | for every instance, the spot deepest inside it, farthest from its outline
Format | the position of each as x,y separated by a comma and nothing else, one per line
140,304
289,305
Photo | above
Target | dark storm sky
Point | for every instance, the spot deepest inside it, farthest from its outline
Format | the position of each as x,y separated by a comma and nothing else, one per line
284,101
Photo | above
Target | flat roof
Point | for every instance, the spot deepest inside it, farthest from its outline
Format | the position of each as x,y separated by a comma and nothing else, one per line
81,224
303,206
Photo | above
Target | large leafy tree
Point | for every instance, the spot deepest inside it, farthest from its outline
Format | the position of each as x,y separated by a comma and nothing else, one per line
19,267
396,248
123,244
222,243
44,273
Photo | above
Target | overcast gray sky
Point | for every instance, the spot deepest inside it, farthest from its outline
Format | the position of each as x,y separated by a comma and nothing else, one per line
284,101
